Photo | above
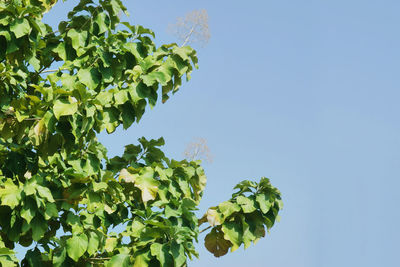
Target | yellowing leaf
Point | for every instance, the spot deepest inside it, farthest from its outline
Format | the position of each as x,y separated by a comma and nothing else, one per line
213,217
147,184
126,176
111,243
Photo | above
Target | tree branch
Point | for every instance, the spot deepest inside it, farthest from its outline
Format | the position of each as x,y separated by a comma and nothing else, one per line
205,229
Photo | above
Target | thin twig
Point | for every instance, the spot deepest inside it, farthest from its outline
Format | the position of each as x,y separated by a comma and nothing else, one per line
188,36
205,229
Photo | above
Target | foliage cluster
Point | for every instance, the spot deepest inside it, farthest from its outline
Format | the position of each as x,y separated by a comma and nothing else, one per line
60,195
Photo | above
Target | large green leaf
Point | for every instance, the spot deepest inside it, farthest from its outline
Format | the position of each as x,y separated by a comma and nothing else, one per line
39,227
20,27
102,21
234,233
264,202
142,260
78,40
178,253
119,260
89,77
77,246
93,244
45,193
64,108
227,208
248,204
10,194
161,251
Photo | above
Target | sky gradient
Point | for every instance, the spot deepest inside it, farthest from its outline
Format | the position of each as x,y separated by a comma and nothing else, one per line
305,93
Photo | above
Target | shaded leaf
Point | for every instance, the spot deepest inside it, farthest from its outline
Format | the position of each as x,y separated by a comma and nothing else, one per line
216,244
39,227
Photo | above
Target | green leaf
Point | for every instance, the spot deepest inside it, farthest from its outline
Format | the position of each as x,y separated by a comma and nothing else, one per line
104,98
110,119
99,186
102,20
111,243
28,210
178,253
121,97
154,77
30,187
227,208
77,246
89,77
248,205
161,252
59,257
119,260
51,211
263,201
64,108
20,27
6,251
216,244
39,227
35,63
45,193
78,40
94,242
142,260
233,233
128,115
10,195
61,51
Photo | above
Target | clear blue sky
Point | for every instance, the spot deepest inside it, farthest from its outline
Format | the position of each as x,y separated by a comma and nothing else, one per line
306,93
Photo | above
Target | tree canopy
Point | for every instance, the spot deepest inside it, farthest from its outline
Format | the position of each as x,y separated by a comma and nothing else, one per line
60,195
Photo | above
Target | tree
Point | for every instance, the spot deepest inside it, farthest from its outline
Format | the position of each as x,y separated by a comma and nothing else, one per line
60,195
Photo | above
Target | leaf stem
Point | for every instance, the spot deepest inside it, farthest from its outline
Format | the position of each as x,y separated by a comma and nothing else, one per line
46,71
